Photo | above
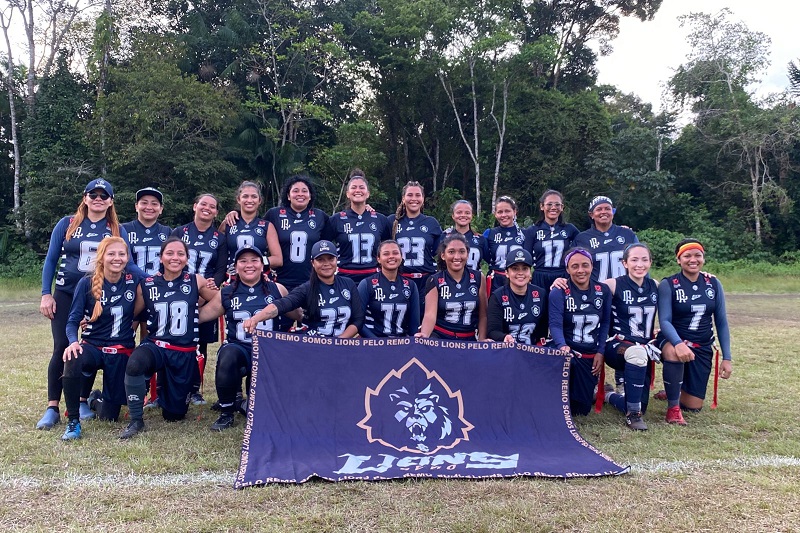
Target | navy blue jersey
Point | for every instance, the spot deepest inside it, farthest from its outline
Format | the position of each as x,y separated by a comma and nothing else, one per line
515,315
607,248
547,244
204,251
580,319
418,239
338,306
253,233
457,305
357,238
115,324
146,244
500,241
633,309
693,306
171,307
297,233
241,301
478,250
391,308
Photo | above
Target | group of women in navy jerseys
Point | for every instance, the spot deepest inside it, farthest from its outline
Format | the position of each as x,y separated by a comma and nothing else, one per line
358,272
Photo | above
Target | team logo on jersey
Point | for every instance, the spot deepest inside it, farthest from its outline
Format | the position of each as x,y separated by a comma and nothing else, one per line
594,243
710,294
212,243
540,235
407,292
598,303
536,310
473,290
321,300
569,304
162,237
680,296
234,230
186,238
235,303
153,294
91,234
621,239
414,410
423,229
373,226
132,238
504,298
312,224
285,224
379,294
444,292
508,314
348,228
627,297
185,289
519,239
345,294
129,296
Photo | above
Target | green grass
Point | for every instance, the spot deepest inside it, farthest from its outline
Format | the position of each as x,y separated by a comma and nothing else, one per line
736,468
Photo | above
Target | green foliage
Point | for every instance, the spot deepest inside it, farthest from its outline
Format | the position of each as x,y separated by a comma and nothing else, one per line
662,245
17,261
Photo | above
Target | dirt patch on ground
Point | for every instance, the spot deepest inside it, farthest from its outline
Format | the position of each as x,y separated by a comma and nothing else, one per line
774,310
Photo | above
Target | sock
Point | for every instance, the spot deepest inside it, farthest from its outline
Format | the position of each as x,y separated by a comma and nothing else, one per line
633,407
673,380
617,400
135,388
634,383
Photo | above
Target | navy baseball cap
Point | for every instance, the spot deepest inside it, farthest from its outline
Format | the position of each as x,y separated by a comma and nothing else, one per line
150,191
99,183
323,248
247,248
519,256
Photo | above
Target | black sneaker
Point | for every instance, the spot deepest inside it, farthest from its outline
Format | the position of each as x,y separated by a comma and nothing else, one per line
224,422
196,398
134,428
241,406
95,400
634,421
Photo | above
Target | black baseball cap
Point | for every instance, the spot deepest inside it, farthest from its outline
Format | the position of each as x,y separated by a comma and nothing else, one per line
150,191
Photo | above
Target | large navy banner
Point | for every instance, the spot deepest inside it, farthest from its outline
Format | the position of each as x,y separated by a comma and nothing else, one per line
390,408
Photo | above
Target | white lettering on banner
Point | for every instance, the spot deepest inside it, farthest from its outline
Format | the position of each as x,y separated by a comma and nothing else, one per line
359,464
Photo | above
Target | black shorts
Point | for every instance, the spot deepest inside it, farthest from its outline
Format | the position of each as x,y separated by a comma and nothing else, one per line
113,366
208,331
178,370
695,373
581,385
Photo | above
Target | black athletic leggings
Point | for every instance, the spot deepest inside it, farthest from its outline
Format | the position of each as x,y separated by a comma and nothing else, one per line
232,366
73,379
58,327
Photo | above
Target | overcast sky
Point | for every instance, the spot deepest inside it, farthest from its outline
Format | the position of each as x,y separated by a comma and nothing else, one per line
645,53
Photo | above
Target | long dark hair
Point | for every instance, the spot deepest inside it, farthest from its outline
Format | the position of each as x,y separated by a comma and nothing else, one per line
287,186
450,237
401,208
551,192
166,243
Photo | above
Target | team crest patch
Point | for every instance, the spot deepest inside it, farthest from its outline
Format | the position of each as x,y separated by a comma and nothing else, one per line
414,410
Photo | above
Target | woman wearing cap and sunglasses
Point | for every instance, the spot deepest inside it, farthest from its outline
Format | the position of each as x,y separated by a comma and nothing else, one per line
518,307
74,241
331,302
579,317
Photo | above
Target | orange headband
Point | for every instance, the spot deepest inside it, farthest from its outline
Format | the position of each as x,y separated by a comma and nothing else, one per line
690,246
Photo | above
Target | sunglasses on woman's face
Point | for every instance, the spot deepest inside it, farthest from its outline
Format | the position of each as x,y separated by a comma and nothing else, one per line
95,195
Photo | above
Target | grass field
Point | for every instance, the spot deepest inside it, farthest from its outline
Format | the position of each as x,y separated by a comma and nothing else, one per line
737,468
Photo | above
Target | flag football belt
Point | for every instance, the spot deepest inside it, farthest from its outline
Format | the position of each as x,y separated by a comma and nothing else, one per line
599,396
489,281
498,273
454,334
691,344
358,271
117,348
414,275
175,347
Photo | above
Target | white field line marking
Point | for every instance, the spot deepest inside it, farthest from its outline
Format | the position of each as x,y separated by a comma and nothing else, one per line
226,478
20,304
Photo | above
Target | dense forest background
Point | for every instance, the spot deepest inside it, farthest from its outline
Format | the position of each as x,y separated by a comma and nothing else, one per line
474,99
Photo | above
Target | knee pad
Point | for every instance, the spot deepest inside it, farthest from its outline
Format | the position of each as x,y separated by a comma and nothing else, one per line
636,355
169,416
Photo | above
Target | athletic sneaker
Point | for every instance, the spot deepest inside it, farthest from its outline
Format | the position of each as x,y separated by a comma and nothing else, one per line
224,422
134,428
95,400
634,421
674,416
197,399
150,403
85,412
73,431
50,418
241,405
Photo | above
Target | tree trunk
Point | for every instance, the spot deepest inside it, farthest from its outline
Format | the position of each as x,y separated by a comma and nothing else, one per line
12,107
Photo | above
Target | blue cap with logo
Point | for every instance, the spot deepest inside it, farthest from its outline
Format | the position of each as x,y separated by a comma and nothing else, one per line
519,256
101,184
323,248
247,248
150,191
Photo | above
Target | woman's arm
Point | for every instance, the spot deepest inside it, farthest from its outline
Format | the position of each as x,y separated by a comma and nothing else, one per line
275,257
294,314
363,294
431,308
482,305
555,308
213,309
494,319
413,313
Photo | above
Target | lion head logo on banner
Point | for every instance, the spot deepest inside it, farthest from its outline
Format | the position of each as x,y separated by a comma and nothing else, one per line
414,410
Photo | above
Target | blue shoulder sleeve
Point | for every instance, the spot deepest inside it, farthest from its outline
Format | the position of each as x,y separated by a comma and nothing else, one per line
555,307
363,294
53,253
665,313
76,309
605,320
414,318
